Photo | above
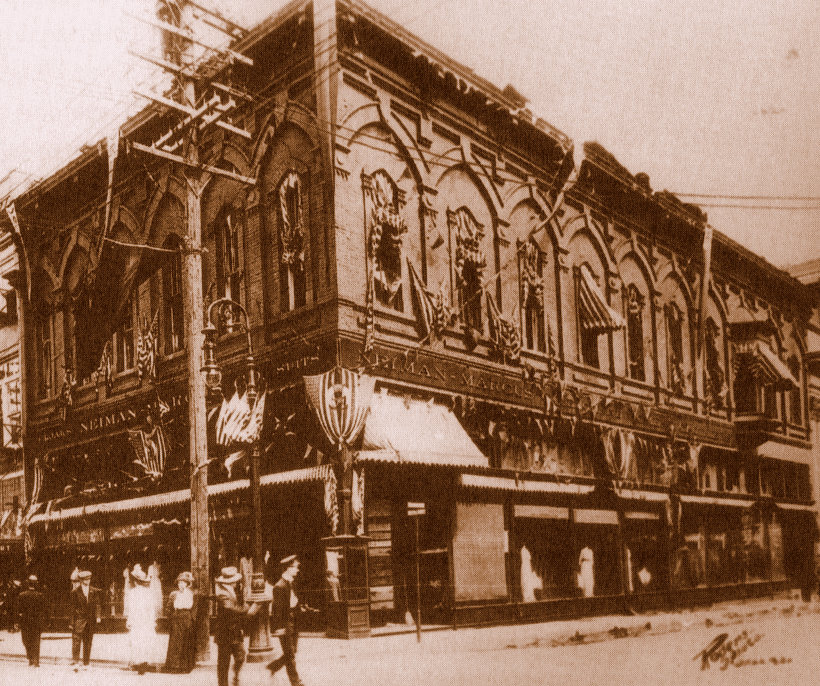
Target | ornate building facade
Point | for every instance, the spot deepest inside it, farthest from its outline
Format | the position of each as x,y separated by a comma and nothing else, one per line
587,425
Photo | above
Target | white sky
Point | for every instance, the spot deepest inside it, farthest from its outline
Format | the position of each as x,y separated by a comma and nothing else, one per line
705,97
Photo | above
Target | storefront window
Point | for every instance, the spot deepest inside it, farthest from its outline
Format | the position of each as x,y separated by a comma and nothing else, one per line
724,547
647,563
479,543
598,556
688,568
754,546
545,552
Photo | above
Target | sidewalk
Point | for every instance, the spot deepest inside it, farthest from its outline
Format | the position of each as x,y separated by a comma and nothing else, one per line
111,650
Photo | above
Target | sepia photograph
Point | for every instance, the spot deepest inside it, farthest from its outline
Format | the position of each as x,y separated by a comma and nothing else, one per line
399,343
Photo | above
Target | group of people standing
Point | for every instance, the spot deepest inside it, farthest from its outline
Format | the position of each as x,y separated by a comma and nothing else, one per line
183,609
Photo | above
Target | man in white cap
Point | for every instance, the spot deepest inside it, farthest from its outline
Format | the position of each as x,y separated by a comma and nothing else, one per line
283,619
229,634
85,613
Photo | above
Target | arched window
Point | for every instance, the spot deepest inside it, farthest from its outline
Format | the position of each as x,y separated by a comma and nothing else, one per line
531,269
387,229
470,265
292,285
795,395
634,332
45,355
172,312
228,237
674,338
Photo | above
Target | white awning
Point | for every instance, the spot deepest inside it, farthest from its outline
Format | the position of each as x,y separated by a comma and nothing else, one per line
406,431
596,314
319,473
711,500
16,474
649,496
800,508
521,485
782,451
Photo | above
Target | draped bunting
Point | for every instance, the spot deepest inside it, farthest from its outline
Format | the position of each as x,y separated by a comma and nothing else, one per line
292,233
341,400
357,501
433,314
618,460
331,503
764,364
151,449
147,351
504,336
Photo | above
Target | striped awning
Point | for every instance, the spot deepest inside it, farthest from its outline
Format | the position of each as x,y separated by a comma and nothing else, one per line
503,483
320,473
710,500
765,364
406,431
596,314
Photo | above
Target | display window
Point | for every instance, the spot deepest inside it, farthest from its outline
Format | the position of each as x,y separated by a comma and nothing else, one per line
647,565
545,553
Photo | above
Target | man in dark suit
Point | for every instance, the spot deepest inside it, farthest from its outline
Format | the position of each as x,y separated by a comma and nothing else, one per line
85,613
229,634
31,609
284,608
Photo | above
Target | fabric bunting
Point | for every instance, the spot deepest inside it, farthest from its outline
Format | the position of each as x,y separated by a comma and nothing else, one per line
341,400
147,351
151,450
331,503
504,335
11,211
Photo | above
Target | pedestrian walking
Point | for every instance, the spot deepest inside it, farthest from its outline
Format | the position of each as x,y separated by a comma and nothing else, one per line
85,614
284,609
229,634
31,614
141,619
183,608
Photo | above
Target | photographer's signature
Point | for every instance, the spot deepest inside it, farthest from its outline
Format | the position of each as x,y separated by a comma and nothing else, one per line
725,651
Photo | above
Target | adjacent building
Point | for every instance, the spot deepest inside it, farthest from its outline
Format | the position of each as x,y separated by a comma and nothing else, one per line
586,424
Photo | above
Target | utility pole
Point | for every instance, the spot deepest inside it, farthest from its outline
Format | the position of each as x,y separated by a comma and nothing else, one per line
196,113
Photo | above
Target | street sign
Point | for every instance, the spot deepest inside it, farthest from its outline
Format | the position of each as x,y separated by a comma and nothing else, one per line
415,509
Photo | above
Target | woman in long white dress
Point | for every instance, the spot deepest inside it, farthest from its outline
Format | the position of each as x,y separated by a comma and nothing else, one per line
141,618
586,572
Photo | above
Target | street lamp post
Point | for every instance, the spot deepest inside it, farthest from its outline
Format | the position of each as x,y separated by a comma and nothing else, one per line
226,311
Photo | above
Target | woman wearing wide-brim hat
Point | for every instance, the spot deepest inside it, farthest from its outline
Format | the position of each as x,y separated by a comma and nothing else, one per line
183,604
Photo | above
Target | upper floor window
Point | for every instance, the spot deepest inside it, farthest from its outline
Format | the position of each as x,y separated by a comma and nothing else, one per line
595,316
228,254
470,264
172,321
795,395
292,285
634,332
123,341
531,268
674,343
45,356
386,232
715,380
10,400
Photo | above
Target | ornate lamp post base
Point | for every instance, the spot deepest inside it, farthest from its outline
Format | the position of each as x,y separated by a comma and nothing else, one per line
260,646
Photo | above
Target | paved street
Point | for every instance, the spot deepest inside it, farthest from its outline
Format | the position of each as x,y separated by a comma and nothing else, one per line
586,652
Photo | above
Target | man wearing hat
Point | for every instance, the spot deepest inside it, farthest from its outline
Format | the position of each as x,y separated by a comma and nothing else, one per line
283,619
85,613
31,606
229,634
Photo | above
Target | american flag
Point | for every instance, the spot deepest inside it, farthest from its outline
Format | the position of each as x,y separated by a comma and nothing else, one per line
234,416
147,351
151,449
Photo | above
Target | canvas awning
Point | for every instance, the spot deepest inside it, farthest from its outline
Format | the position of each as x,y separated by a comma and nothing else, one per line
503,483
405,431
320,473
710,500
784,452
765,365
596,314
